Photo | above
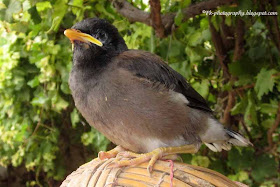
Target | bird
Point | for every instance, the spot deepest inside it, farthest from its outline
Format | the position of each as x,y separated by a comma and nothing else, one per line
137,101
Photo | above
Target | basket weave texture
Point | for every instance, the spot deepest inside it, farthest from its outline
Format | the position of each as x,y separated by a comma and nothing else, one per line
96,174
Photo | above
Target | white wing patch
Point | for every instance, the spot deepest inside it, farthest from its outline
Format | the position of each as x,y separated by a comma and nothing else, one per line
178,97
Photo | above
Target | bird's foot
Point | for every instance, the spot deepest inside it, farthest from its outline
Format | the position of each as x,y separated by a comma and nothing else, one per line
110,154
168,153
174,157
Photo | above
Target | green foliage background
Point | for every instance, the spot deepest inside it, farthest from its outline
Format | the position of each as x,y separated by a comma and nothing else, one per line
43,136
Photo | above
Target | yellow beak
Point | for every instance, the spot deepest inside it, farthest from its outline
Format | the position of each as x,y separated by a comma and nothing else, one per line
74,34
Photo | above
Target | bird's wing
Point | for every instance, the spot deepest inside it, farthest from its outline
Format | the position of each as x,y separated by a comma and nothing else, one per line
146,65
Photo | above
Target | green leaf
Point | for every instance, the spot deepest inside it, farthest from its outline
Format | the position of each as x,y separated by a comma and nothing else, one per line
78,8
243,67
184,68
40,100
20,27
204,24
59,172
187,158
265,82
240,107
14,7
185,3
179,17
87,138
240,160
228,20
217,165
195,39
34,15
58,103
205,68
17,158
34,82
250,115
196,54
202,88
267,123
2,6
257,52
264,167
100,141
78,3
65,88
60,8
75,118
240,176
269,108
175,49
41,6
245,5
200,161
206,35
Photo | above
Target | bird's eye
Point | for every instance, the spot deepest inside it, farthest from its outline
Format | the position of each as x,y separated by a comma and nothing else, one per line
102,36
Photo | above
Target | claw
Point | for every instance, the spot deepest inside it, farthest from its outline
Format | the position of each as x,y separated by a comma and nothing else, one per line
102,155
110,154
149,170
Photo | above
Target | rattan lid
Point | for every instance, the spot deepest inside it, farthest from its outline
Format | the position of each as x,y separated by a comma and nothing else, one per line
96,173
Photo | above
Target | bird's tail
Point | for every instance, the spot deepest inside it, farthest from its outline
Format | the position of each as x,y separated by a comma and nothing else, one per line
234,139
237,139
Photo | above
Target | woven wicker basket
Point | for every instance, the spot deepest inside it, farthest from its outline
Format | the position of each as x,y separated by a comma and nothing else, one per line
96,173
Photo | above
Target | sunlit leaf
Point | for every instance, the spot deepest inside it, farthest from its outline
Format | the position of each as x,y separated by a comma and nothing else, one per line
41,6
60,8
14,7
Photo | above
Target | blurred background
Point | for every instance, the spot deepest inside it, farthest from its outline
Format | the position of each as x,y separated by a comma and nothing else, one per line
232,61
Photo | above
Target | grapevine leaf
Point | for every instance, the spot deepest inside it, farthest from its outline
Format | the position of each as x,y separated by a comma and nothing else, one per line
265,82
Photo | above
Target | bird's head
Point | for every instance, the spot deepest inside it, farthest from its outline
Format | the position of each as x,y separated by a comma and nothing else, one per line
94,39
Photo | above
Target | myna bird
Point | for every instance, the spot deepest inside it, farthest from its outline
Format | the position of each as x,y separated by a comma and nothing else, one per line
137,101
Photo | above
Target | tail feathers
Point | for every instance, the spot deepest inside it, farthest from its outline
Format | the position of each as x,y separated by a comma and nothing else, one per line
218,146
235,139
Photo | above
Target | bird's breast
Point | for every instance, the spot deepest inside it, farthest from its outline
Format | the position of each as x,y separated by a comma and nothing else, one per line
87,91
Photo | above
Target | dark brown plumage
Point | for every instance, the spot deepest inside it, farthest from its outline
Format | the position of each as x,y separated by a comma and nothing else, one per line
134,98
